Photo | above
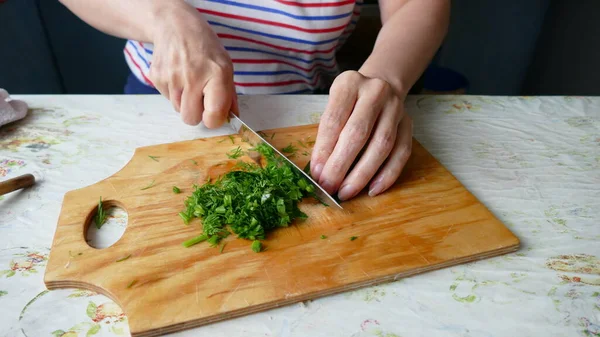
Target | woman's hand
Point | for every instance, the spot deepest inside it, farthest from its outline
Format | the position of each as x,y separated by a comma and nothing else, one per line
361,112
191,68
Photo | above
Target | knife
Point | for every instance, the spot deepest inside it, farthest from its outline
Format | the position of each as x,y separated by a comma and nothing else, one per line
254,138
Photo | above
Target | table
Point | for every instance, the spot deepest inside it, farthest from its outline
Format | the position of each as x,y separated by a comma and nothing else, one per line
534,161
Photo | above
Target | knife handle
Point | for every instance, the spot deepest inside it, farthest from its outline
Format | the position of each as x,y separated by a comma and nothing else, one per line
16,183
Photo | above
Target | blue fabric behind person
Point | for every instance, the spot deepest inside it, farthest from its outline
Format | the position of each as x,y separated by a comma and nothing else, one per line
135,87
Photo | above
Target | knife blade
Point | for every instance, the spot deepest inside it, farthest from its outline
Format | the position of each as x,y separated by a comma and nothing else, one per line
255,138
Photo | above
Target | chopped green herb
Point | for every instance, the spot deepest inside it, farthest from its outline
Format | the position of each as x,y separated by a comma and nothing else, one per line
100,217
194,162
131,284
195,240
232,139
272,135
147,187
221,141
353,238
176,190
301,143
262,134
155,158
256,246
306,153
222,246
250,200
124,258
289,149
323,237
236,153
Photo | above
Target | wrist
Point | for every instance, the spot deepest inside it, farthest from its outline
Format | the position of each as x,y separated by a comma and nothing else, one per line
393,78
167,13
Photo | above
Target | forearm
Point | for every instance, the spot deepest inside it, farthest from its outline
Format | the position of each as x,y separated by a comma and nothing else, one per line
129,19
412,32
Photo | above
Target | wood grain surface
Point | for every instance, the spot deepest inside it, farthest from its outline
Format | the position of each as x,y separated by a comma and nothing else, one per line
427,221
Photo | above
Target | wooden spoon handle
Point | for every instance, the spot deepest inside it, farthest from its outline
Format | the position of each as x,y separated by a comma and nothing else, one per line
14,184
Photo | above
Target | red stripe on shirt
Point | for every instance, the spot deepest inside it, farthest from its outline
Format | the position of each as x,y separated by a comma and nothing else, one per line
270,23
252,61
138,66
277,84
316,4
235,37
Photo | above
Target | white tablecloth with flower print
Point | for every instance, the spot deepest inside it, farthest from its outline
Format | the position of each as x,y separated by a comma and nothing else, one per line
534,161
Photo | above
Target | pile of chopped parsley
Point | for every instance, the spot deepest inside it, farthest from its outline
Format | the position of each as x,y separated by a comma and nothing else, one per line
249,201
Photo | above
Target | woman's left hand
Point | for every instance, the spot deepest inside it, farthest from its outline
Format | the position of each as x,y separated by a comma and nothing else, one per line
362,112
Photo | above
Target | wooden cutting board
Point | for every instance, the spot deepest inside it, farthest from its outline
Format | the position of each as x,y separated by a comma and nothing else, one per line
427,221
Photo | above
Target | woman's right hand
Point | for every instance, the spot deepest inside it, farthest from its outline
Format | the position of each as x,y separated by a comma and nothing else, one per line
190,66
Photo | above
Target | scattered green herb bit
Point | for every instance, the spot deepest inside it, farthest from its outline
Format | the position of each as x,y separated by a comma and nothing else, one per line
100,217
250,200
272,135
124,258
309,141
222,246
176,190
305,153
194,162
301,143
353,238
221,141
323,237
195,240
236,153
256,246
131,284
262,134
155,158
71,254
147,187
232,139
289,149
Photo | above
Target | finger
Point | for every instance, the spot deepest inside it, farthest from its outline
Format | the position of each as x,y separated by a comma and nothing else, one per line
234,105
218,99
378,149
175,93
396,161
341,101
192,106
352,139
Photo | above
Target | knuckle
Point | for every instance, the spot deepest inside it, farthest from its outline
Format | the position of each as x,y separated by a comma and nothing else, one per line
358,131
384,142
379,87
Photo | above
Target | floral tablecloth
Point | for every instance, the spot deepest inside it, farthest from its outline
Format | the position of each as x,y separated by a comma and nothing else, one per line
534,161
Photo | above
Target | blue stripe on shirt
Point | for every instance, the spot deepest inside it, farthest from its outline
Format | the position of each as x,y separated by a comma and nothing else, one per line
272,73
277,11
251,50
138,53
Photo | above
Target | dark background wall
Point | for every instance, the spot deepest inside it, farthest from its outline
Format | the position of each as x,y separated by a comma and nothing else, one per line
512,47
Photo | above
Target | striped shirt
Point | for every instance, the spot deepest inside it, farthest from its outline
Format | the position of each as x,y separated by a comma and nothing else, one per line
276,46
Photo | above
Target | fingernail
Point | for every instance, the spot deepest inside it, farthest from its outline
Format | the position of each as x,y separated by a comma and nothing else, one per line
376,188
346,192
317,171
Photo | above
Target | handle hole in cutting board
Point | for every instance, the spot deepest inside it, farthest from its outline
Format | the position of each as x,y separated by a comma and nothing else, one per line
112,229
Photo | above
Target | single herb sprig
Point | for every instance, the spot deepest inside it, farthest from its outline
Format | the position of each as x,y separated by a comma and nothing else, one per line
100,217
235,153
